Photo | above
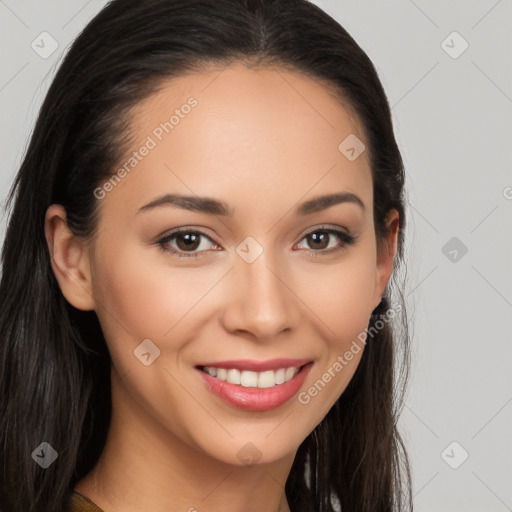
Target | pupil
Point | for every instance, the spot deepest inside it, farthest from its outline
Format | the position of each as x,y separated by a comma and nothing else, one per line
318,238
189,240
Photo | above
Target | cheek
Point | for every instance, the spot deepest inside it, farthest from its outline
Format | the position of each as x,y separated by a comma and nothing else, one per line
341,294
350,311
140,300
130,297
133,298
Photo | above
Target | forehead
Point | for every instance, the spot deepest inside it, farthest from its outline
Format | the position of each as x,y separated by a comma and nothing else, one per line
263,129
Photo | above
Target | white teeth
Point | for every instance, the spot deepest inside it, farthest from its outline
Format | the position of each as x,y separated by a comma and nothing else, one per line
250,379
267,379
280,376
233,376
290,372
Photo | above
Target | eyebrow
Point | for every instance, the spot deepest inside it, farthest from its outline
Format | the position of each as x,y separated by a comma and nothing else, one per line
214,207
323,202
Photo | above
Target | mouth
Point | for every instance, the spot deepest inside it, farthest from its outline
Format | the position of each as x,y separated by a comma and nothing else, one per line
254,390
253,379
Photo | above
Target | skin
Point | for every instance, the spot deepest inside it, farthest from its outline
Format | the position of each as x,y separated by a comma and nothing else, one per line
263,141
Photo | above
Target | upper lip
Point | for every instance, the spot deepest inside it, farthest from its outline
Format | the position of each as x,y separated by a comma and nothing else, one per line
257,366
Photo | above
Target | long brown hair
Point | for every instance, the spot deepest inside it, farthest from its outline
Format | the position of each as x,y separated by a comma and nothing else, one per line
54,362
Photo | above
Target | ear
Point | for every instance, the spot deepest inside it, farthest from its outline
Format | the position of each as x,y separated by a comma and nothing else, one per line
69,259
386,255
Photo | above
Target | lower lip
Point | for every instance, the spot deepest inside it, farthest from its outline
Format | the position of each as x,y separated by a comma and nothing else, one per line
256,399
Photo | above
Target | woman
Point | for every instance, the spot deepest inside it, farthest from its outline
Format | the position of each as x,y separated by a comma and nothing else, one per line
197,271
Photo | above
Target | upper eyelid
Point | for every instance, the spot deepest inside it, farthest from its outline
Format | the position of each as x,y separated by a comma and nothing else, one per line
326,228
179,231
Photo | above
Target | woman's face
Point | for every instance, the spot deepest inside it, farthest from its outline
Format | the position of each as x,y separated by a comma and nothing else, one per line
267,282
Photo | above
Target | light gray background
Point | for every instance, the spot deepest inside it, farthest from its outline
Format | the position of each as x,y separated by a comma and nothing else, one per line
453,119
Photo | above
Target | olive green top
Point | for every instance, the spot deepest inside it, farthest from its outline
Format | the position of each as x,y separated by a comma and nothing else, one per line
79,503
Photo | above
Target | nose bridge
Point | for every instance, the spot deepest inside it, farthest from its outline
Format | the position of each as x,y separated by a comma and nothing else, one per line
261,303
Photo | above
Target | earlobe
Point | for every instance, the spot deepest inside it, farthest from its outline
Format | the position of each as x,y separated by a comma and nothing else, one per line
69,259
386,255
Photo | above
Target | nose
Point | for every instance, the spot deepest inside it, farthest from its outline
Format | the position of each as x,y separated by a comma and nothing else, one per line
260,299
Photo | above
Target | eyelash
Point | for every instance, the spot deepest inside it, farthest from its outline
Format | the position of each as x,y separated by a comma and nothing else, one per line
344,237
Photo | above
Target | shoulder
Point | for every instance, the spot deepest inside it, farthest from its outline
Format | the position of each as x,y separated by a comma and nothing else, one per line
79,503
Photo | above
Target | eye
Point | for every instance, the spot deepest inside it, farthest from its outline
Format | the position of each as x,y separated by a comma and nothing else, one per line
319,241
187,241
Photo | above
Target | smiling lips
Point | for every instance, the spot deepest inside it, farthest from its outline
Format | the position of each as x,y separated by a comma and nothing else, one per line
255,385
256,374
